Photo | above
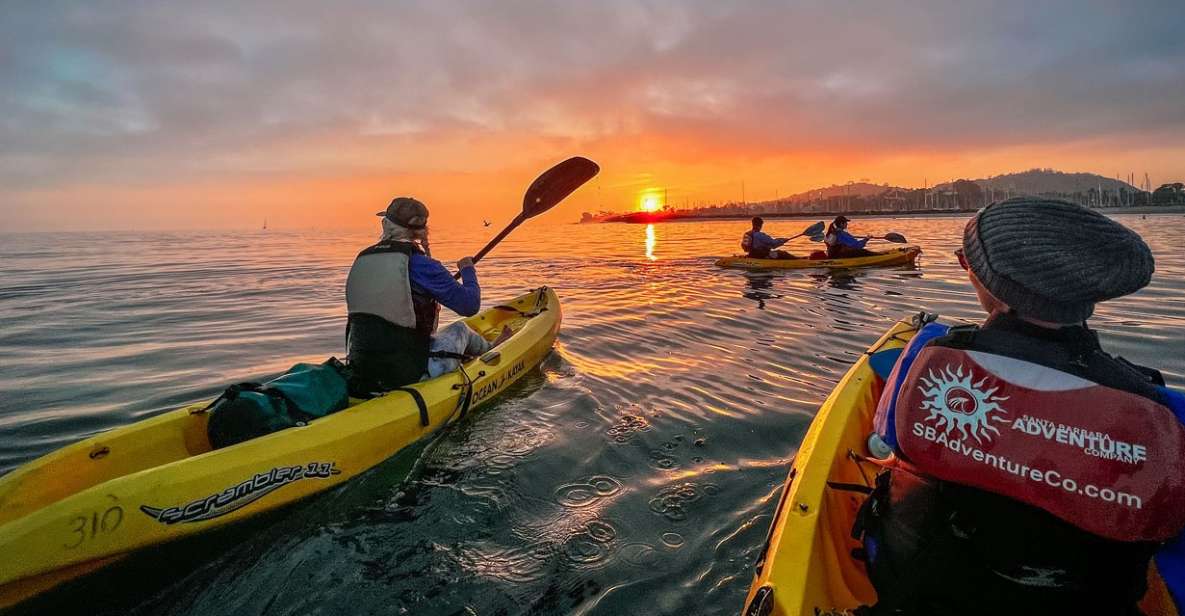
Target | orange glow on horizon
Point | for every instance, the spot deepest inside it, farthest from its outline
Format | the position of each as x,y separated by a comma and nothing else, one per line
462,186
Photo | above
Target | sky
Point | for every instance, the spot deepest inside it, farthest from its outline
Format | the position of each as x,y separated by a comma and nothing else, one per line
171,115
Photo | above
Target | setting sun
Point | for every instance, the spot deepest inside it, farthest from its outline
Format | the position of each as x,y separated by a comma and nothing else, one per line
649,203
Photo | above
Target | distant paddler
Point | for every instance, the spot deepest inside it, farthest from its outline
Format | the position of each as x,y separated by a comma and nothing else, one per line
843,245
759,245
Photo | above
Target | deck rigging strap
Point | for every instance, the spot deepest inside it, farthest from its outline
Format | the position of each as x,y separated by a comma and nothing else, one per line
424,420
467,396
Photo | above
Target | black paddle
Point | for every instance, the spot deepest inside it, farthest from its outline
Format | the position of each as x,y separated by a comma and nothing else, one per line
544,193
895,238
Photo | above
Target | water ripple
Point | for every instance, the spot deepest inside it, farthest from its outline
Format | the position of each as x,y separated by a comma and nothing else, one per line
636,472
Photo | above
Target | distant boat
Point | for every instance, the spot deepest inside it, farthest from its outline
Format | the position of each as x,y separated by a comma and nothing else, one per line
265,224
487,223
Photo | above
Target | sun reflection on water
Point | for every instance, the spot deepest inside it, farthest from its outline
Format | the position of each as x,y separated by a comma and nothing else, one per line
650,243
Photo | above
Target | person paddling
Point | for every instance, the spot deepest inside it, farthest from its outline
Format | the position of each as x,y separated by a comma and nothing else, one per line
758,245
1028,471
393,295
841,244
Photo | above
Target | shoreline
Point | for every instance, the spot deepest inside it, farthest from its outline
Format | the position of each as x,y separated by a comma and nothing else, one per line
1144,210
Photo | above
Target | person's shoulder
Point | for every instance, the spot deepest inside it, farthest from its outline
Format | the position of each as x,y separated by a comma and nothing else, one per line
426,264
424,259
1137,371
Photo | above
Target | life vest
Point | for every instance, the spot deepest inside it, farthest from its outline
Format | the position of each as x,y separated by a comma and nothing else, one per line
747,241
835,249
390,321
1106,458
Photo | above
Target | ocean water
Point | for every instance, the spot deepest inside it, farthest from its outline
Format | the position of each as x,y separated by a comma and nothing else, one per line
634,473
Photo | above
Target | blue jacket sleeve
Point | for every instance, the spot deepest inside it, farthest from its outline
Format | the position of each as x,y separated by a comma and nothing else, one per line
847,239
762,240
1170,560
464,298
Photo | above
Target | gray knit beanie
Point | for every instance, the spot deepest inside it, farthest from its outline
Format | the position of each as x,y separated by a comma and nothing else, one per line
1054,260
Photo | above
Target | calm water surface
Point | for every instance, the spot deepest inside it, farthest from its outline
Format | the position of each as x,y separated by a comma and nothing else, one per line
635,473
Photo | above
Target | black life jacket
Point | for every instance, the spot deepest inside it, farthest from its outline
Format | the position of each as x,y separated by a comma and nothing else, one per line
1033,469
750,251
391,320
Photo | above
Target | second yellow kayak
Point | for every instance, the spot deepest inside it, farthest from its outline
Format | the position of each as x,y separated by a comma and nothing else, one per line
896,256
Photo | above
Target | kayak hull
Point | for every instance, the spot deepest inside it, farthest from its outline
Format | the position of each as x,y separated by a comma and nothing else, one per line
896,256
87,505
806,567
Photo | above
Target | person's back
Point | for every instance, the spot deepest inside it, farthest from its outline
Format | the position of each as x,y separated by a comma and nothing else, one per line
1034,473
394,291
759,245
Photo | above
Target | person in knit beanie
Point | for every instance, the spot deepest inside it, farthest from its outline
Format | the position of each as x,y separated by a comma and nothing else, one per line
1051,260
1027,471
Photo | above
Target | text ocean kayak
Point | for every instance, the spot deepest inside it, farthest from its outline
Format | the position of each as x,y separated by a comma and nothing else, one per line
85,506
807,567
896,256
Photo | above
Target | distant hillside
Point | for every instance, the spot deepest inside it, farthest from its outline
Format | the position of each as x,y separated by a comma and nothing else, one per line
855,189
1049,181
962,195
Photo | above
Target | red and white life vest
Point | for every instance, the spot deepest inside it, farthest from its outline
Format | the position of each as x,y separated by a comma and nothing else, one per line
1105,460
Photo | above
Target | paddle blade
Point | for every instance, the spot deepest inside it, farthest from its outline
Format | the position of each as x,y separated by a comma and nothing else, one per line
818,238
557,183
896,238
813,230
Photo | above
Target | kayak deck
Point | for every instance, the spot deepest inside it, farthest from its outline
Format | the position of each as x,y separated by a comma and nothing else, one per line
86,505
896,256
807,567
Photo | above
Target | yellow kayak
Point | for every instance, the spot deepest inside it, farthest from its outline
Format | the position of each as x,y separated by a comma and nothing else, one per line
896,256
807,568
87,505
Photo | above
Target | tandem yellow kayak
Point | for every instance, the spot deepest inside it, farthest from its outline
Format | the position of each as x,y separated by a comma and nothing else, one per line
896,256
807,567
87,505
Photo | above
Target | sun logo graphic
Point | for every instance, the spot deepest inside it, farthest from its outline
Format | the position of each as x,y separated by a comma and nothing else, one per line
955,403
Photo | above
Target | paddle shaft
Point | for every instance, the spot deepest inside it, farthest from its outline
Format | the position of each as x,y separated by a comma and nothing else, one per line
814,229
896,238
518,220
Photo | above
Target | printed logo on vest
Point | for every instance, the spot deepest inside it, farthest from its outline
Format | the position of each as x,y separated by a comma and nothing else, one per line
1107,461
1091,442
956,402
